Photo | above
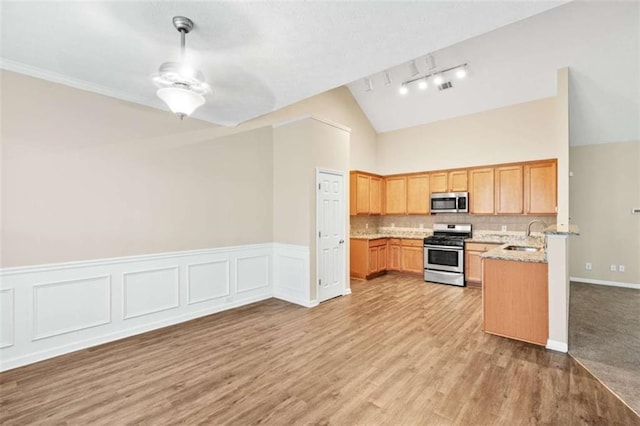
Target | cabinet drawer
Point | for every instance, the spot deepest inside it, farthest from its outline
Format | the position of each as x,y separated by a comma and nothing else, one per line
412,243
481,246
394,241
377,243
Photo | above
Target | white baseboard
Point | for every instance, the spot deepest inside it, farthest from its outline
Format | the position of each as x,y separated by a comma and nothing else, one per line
557,346
346,292
604,282
51,310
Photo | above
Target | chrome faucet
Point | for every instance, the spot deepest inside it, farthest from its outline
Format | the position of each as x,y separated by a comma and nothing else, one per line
531,223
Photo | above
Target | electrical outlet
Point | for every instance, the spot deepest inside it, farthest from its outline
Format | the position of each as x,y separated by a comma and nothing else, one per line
366,226
621,268
422,226
504,228
613,268
393,225
588,266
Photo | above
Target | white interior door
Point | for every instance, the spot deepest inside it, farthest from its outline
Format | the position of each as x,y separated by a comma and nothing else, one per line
330,208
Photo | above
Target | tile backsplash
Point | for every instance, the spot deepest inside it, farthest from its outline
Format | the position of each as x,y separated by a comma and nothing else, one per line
481,223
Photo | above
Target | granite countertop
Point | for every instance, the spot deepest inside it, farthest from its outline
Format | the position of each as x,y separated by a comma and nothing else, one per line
503,238
407,233
500,253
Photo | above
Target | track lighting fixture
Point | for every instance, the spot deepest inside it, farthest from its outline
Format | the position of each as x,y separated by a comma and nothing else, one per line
387,78
413,68
438,78
181,87
368,84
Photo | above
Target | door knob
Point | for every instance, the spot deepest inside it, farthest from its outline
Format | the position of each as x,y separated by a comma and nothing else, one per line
341,242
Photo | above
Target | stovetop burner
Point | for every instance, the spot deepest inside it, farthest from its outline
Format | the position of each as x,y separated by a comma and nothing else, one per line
449,235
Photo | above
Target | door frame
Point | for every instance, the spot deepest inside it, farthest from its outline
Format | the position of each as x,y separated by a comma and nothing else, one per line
345,261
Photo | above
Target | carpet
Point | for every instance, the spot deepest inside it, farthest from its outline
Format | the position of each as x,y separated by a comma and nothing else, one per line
604,335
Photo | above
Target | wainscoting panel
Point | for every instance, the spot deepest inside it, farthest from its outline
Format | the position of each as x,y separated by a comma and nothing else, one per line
50,310
7,315
67,306
207,281
291,274
252,272
151,291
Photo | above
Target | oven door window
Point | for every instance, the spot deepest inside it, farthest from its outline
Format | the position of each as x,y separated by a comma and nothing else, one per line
443,257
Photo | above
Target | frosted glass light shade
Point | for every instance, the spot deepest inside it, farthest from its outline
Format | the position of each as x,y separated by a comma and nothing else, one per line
181,101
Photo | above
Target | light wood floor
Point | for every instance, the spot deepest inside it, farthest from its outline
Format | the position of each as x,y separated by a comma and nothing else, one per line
397,351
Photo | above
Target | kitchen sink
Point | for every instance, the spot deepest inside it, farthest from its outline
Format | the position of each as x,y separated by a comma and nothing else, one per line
527,249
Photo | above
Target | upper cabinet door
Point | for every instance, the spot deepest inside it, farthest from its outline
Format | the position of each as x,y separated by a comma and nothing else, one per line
439,182
396,195
362,194
458,181
509,190
418,194
541,188
375,195
481,191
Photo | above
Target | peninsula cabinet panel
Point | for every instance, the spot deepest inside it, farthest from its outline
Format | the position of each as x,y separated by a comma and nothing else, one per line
481,191
396,195
418,194
509,190
458,181
375,195
541,188
515,300
439,182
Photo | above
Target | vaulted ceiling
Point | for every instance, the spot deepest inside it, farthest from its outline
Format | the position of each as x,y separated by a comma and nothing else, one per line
257,56
261,56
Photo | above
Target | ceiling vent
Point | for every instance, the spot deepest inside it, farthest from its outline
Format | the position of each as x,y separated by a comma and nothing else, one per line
446,85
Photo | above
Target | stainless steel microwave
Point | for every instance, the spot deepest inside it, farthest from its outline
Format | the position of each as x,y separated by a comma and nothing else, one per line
450,202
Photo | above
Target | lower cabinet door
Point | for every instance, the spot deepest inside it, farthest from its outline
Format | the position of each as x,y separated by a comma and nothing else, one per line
412,259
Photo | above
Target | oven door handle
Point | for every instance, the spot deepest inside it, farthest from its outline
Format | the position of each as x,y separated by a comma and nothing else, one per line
429,246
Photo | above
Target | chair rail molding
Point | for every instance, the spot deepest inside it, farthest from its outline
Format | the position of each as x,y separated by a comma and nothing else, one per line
54,309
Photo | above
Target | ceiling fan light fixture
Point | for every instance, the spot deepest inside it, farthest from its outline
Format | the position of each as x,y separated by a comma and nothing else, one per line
181,86
181,101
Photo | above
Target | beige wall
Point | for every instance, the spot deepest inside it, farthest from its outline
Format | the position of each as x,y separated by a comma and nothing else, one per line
86,176
521,132
604,188
299,148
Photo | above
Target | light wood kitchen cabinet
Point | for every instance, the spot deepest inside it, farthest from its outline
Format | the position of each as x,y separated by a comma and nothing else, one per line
396,195
418,194
509,190
365,193
367,258
473,262
412,258
375,195
449,181
515,300
394,255
439,182
481,191
541,188
458,181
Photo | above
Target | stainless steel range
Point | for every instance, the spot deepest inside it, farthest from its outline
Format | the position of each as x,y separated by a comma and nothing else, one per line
444,254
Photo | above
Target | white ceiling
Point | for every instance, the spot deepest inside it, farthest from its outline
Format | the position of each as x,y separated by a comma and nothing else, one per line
258,56
598,41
